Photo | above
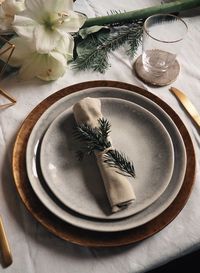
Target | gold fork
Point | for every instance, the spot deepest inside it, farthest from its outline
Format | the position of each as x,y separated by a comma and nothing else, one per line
5,248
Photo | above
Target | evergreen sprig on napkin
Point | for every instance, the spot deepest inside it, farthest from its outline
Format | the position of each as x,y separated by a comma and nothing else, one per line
96,139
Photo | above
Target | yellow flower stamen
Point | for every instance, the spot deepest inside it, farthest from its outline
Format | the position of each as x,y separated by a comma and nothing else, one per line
62,16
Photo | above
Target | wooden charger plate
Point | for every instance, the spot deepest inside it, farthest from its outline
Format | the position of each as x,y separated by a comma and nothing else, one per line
82,236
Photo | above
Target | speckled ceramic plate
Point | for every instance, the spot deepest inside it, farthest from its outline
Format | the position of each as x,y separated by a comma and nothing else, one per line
67,215
78,184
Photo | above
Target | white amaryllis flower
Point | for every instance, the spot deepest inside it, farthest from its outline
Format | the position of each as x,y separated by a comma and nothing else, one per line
48,66
44,22
8,9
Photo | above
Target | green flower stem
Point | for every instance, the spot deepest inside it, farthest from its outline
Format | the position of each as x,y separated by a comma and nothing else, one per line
176,6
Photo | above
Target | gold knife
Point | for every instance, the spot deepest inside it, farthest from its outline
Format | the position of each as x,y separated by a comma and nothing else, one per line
5,248
187,104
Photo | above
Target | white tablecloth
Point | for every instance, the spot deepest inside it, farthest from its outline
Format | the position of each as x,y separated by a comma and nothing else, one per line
36,250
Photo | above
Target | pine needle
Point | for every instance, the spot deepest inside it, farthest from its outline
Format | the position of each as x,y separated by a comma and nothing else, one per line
117,159
96,139
93,51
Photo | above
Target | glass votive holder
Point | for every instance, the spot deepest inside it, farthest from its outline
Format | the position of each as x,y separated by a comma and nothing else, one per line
163,36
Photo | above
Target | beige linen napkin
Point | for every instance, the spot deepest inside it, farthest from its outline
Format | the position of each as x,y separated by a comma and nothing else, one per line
119,190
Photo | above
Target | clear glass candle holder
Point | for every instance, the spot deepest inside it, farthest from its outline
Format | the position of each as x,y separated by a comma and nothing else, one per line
163,36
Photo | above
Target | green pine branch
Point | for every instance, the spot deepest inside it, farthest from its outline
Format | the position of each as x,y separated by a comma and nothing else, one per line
93,51
115,158
96,139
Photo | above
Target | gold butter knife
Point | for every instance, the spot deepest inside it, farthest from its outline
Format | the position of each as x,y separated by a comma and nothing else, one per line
187,104
5,248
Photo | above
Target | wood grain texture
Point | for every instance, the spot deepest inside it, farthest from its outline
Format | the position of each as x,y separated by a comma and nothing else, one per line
81,236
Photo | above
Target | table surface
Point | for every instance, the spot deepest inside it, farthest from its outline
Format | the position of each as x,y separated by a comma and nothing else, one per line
36,250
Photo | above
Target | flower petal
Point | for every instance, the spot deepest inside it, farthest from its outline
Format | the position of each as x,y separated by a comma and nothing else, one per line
24,26
58,5
30,67
7,11
53,67
66,46
35,6
12,7
45,40
5,21
20,53
73,22
44,66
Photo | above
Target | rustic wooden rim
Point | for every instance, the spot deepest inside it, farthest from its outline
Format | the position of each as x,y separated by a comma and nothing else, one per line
81,236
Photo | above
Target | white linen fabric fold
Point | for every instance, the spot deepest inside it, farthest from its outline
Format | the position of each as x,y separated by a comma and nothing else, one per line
119,190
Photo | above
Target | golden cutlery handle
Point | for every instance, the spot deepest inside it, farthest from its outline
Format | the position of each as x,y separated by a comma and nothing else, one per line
187,104
5,248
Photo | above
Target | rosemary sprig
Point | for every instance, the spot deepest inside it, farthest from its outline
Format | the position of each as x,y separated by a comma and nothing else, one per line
96,139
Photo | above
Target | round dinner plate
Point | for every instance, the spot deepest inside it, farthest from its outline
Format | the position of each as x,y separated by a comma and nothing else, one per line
148,222
78,184
68,215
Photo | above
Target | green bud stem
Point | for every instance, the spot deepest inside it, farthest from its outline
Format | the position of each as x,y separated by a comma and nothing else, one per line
129,16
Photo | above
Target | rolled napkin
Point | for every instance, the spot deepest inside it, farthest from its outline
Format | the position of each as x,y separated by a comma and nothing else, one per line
119,191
